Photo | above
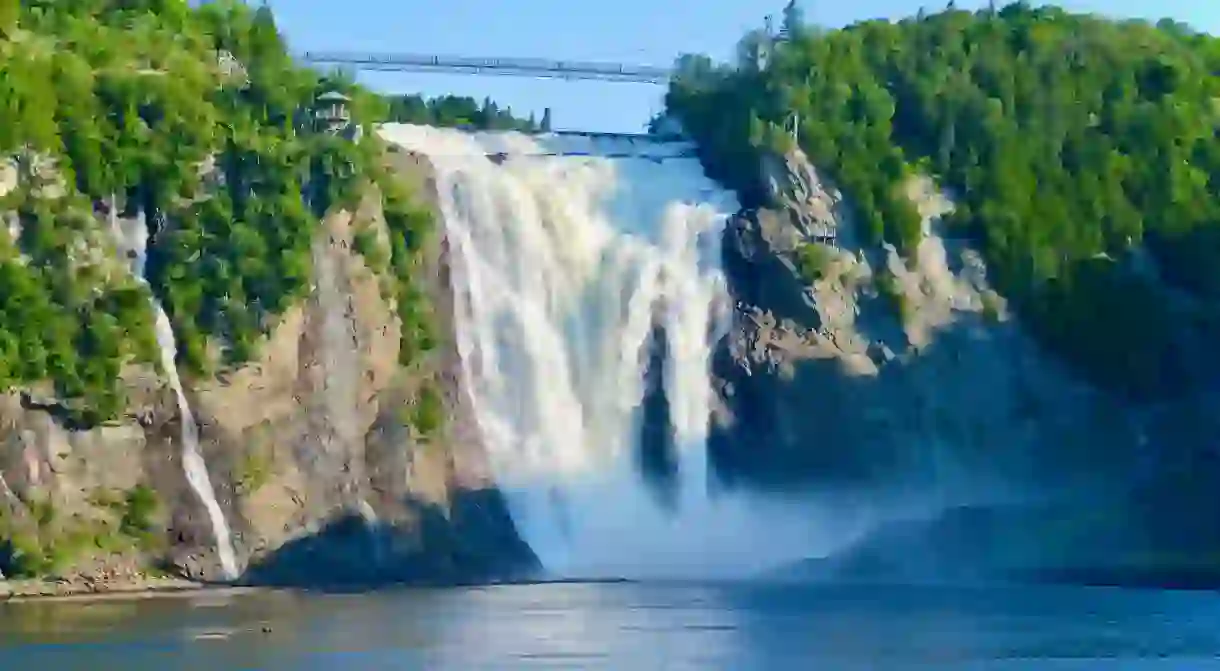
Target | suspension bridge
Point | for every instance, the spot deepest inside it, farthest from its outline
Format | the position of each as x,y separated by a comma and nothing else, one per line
560,143
513,67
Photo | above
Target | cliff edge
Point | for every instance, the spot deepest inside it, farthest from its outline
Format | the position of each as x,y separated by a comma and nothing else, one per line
909,385
332,461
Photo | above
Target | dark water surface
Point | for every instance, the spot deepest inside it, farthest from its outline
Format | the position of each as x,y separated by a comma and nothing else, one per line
634,627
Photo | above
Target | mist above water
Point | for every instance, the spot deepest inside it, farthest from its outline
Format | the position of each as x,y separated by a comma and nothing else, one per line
570,256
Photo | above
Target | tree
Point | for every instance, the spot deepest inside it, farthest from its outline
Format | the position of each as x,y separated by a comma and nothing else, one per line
546,120
224,260
453,111
793,23
264,36
1078,140
9,10
753,49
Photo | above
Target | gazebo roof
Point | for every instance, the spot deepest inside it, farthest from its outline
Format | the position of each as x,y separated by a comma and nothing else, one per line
332,96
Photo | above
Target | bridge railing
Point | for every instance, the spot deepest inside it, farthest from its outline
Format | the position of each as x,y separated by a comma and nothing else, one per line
523,65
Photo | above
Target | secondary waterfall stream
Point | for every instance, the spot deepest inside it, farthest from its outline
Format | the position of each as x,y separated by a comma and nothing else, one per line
132,238
570,254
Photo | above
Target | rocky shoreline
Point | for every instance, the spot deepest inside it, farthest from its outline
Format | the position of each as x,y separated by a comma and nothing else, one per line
88,589
143,587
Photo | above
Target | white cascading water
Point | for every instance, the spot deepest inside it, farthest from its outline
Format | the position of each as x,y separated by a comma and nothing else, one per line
132,238
562,248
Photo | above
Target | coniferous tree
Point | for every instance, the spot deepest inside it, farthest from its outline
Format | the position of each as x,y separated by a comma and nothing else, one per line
793,23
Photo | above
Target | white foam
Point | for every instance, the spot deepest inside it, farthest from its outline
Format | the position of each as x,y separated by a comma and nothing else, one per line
559,261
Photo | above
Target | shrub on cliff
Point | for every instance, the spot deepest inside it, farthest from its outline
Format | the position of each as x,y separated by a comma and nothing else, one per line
1069,138
813,260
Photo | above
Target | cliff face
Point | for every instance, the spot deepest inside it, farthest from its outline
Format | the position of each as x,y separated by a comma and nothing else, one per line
851,369
317,450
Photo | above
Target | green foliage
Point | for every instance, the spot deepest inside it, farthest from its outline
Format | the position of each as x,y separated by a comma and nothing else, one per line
813,260
8,16
410,227
24,556
794,20
429,411
135,510
47,542
121,103
197,118
1068,138
256,466
991,306
366,244
29,550
138,508
457,111
253,471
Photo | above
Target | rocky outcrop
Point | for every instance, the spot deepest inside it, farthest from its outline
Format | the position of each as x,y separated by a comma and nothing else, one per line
851,368
314,448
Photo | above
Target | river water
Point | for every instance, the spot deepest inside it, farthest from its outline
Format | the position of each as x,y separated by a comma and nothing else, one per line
634,627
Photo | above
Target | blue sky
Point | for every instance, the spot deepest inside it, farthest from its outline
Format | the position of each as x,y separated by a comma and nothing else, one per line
633,31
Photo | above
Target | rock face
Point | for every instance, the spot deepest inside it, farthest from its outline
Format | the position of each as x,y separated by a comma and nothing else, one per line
851,369
312,450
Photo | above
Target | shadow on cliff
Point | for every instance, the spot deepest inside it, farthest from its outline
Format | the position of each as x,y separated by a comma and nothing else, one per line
981,396
473,542
64,415
1098,489
1159,536
1042,483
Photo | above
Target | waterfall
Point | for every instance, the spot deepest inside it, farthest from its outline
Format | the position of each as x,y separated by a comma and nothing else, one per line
563,248
133,243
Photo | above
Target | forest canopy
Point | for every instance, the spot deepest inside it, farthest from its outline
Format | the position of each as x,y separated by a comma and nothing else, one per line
460,111
197,119
1073,144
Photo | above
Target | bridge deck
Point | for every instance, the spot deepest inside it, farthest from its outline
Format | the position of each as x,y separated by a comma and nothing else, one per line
500,157
522,67
642,138
634,137
600,135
